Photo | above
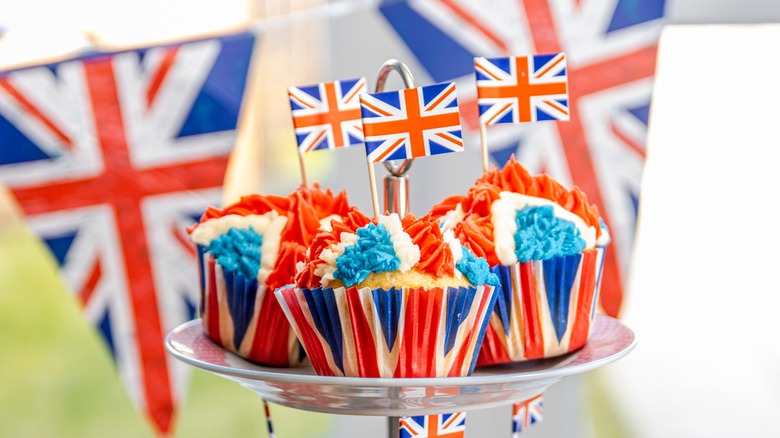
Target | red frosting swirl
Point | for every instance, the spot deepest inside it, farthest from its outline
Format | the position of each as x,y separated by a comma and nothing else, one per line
476,230
444,207
352,221
304,209
476,233
251,204
480,198
435,256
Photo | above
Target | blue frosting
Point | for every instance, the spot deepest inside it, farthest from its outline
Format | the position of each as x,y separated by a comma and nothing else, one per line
476,269
373,252
238,250
541,235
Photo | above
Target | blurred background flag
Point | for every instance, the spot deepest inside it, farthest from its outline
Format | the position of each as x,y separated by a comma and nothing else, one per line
611,50
111,156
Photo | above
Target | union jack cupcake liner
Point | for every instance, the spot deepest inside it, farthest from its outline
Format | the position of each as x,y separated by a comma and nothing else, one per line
245,318
545,308
401,332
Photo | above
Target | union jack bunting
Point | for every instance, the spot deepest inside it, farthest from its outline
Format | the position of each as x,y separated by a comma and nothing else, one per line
522,89
111,157
526,414
430,426
411,123
327,115
610,48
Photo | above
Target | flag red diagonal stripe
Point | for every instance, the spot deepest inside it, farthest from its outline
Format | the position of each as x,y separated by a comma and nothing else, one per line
35,112
159,75
92,281
549,67
626,140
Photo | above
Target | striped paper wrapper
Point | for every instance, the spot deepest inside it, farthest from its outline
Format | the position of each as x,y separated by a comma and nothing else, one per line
401,332
544,309
244,317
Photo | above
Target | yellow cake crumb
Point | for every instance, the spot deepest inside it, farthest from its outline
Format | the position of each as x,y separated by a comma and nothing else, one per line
413,278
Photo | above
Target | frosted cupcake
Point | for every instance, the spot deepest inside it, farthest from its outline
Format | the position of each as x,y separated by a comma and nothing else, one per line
245,252
546,244
390,298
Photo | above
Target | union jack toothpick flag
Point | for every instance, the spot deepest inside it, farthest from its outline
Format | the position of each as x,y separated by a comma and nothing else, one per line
327,115
411,123
521,89
526,414
111,157
429,426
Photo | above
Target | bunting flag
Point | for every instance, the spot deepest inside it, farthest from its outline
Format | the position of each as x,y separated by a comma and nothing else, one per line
526,414
411,123
111,156
430,426
327,115
522,89
610,50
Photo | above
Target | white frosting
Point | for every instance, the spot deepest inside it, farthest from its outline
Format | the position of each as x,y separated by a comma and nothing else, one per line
325,222
455,248
605,238
452,218
406,251
503,213
269,252
329,256
268,225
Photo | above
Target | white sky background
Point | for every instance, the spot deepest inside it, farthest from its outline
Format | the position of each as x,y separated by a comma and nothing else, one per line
38,29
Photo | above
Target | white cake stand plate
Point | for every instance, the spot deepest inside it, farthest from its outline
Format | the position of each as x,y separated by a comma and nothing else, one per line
301,388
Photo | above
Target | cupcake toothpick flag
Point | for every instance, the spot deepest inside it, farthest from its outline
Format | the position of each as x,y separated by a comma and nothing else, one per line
520,89
326,116
410,123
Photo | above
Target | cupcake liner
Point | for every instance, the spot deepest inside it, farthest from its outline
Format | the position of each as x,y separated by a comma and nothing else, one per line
544,309
244,317
401,332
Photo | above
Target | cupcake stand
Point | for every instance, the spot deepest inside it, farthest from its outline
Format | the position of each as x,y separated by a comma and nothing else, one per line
487,387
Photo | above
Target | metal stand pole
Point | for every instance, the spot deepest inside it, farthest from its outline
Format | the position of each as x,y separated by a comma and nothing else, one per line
393,424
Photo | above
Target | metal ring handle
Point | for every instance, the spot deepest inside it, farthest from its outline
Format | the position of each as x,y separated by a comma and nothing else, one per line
406,76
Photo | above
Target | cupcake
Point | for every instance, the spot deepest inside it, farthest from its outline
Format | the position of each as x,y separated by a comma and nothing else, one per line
390,298
546,245
246,251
